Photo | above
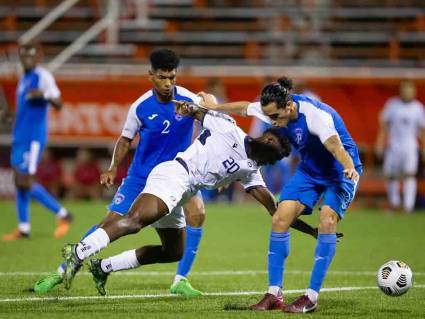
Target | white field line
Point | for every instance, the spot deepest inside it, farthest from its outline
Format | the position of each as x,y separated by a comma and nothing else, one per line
214,294
207,273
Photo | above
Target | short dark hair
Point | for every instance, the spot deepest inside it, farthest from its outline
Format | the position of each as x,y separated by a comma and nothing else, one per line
265,154
278,92
164,59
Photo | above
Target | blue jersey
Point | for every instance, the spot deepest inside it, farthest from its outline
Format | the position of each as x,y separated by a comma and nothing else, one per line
316,122
31,116
163,133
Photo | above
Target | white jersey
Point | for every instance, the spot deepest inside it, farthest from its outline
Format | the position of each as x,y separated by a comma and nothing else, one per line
404,122
218,156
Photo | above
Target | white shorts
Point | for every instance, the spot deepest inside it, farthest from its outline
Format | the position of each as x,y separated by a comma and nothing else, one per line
398,162
170,182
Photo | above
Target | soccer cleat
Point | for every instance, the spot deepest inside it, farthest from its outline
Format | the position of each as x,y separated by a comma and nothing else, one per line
184,288
72,264
99,276
47,283
302,304
63,225
269,302
15,235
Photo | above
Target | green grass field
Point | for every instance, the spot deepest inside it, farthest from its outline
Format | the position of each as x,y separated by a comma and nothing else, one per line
231,267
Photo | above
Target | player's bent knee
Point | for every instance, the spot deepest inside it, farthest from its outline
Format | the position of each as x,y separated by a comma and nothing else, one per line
280,222
328,220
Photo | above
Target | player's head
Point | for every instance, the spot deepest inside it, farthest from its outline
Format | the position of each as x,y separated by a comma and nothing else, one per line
269,148
276,102
163,72
407,90
28,56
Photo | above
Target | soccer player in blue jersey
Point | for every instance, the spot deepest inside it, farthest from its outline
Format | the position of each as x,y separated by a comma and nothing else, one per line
330,168
36,90
163,134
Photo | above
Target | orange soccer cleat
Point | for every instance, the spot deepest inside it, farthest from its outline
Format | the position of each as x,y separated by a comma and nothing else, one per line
15,235
62,227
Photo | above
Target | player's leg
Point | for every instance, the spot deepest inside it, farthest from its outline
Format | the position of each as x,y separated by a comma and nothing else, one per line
336,200
24,162
299,196
128,191
146,209
171,231
55,278
22,185
39,193
392,165
194,211
410,169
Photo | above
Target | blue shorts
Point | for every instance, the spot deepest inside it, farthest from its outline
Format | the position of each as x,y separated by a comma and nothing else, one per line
130,188
308,191
25,156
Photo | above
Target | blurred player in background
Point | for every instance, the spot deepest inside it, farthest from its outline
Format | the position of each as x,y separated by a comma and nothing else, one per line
401,123
330,168
36,90
163,134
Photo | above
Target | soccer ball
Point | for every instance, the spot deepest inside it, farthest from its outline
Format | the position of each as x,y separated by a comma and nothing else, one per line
394,278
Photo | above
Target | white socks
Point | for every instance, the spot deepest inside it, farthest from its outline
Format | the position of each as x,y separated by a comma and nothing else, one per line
92,244
393,191
312,295
177,278
62,213
275,290
409,194
24,228
125,260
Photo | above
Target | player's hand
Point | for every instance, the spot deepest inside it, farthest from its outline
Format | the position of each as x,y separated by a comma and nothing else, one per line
182,107
208,101
107,178
223,188
351,173
35,95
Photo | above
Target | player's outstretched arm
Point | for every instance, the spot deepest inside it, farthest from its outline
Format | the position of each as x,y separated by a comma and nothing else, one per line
121,149
239,107
266,198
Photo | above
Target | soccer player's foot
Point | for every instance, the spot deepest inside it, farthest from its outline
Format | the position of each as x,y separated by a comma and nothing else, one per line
63,225
99,276
48,283
269,302
184,288
302,304
72,264
15,235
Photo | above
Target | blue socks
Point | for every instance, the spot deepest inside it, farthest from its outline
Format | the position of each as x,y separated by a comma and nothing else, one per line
325,251
39,193
278,251
193,238
22,208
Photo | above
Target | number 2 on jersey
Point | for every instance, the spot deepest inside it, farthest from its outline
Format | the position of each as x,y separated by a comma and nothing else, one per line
167,125
231,165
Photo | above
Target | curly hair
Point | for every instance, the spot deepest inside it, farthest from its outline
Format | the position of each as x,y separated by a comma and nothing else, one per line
164,59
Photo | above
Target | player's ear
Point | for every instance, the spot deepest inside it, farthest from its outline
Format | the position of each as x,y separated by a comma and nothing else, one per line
151,74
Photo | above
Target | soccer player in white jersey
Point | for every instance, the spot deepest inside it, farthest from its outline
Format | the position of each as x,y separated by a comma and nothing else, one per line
222,154
401,123
36,91
329,169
